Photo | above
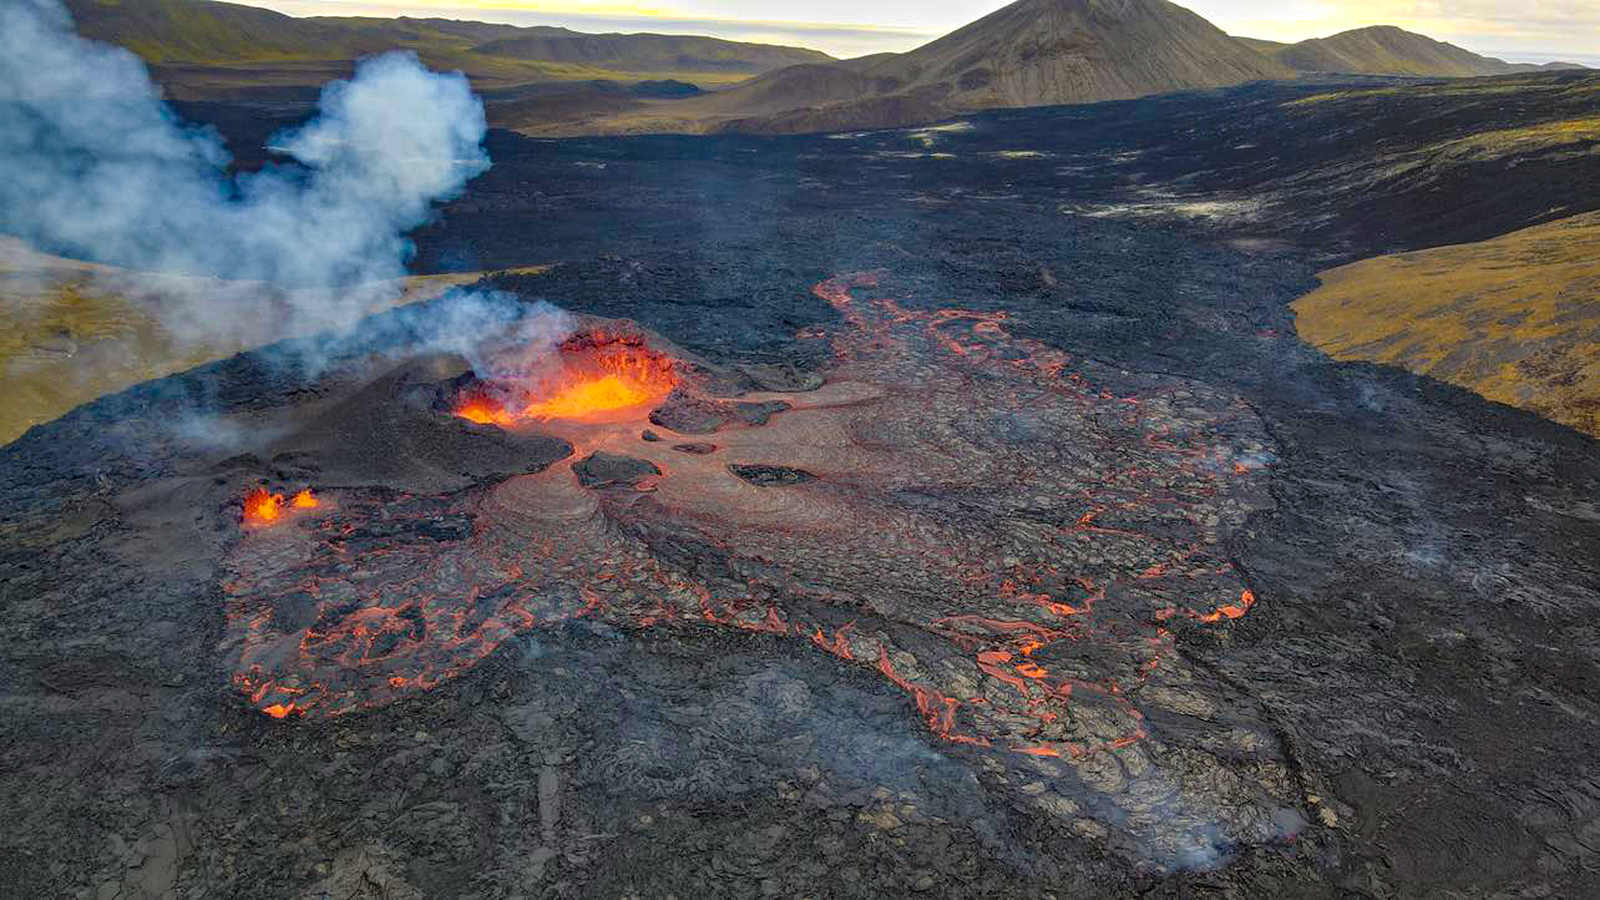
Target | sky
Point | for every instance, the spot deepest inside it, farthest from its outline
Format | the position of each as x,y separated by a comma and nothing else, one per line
1517,30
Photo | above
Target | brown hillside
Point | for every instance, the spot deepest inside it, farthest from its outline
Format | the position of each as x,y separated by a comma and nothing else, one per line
1046,52
1031,53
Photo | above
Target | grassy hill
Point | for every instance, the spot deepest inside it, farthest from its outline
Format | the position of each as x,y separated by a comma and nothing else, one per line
192,31
1270,48
1515,318
216,50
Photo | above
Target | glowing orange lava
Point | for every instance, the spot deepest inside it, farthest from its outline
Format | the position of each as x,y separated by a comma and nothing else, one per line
1232,610
604,393
597,376
485,412
262,508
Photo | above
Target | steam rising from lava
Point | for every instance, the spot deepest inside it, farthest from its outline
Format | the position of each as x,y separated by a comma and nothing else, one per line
97,166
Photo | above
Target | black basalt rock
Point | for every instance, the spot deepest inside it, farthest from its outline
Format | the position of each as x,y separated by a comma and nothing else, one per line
602,469
771,476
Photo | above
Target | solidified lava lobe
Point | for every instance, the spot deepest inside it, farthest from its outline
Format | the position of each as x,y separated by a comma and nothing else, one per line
592,373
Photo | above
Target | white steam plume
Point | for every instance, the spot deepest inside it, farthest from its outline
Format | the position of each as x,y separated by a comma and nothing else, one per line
94,165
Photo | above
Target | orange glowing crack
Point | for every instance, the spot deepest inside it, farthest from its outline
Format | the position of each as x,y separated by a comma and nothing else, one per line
1031,670
1232,610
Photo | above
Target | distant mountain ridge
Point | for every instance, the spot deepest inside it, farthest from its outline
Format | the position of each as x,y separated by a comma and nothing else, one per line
647,52
165,31
553,81
1387,50
178,33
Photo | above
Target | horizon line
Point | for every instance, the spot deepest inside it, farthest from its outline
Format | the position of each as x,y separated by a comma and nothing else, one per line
775,32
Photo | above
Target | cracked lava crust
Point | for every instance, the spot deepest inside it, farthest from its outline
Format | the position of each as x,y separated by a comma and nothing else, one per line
1012,536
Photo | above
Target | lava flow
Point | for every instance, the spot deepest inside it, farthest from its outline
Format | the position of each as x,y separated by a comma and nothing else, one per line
594,374
1012,536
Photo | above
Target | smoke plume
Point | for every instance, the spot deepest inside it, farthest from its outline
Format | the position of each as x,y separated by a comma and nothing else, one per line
98,167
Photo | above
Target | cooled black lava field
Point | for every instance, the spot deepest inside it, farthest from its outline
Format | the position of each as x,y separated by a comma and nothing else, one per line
995,536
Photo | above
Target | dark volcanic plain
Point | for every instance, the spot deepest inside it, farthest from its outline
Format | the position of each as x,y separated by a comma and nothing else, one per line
1408,709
